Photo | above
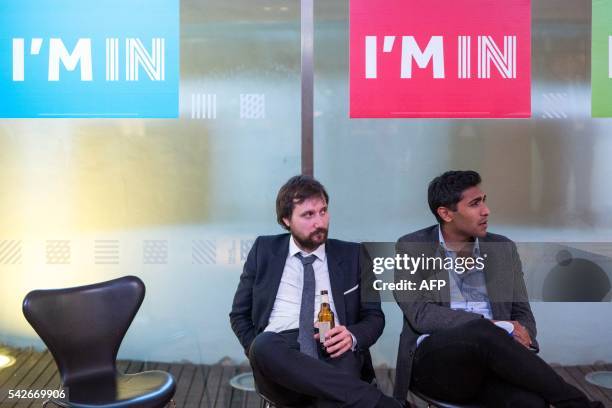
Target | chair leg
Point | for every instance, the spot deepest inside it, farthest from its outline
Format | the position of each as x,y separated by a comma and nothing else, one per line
53,402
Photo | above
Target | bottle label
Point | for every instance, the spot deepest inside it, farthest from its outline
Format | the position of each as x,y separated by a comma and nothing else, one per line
324,327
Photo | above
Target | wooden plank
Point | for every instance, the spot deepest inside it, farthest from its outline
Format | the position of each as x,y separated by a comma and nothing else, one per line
135,367
567,377
24,370
224,393
392,375
149,365
592,392
20,359
238,397
122,366
22,403
208,386
27,382
213,382
243,399
384,381
605,391
127,367
175,370
184,383
162,367
251,400
45,360
155,365
196,391
43,382
55,381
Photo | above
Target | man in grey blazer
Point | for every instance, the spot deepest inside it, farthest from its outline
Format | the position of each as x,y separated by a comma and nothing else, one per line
474,339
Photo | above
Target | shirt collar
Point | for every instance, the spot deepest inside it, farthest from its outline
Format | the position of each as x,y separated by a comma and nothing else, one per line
294,249
475,251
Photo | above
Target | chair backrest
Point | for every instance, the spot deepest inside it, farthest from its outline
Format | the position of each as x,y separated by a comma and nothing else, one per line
83,326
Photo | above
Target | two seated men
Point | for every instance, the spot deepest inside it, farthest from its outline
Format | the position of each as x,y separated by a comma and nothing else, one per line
450,346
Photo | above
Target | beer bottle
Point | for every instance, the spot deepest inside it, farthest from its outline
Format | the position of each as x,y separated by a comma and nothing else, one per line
326,316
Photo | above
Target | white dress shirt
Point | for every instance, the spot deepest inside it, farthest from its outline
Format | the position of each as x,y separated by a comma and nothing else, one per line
285,313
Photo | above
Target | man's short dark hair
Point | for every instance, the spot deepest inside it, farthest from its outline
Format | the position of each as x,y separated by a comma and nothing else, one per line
295,191
446,190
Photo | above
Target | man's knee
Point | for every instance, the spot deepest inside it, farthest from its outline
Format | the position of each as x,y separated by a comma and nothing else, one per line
263,347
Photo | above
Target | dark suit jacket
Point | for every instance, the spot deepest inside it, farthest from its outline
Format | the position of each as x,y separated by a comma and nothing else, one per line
429,312
261,278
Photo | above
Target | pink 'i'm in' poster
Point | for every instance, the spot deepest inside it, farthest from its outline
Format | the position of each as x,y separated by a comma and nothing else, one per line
440,59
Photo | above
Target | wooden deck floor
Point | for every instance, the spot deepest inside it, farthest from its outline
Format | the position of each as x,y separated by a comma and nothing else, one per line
208,385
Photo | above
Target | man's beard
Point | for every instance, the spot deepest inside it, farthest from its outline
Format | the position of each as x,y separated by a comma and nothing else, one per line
308,243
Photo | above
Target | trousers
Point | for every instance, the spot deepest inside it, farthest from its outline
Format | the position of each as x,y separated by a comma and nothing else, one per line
478,361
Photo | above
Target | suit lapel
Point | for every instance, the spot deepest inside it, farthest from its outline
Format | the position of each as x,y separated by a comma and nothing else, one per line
494,279
336,280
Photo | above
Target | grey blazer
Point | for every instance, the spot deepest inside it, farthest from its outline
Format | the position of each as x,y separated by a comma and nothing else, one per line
429,312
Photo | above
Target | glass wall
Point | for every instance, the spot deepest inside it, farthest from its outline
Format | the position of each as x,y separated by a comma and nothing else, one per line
175,202
545,177
179,202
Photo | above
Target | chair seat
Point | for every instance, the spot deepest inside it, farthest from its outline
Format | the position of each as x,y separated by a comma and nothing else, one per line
149,389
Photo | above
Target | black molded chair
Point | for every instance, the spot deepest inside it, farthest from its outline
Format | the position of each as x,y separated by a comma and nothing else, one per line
83,328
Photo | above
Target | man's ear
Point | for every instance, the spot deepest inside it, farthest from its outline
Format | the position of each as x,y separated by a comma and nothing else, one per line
445,214
286,221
